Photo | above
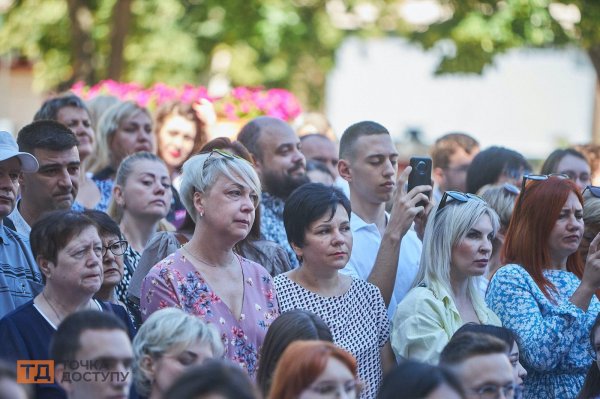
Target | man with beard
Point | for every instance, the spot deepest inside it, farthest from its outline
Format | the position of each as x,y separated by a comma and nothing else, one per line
386,249
55,184
275,150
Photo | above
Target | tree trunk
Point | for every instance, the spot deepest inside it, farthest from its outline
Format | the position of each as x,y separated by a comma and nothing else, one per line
82,44
121,21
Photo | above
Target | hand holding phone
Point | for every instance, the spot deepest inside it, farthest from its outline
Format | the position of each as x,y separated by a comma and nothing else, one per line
420,175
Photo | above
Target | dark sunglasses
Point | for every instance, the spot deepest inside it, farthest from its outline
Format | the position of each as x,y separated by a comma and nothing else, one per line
594,190
450,196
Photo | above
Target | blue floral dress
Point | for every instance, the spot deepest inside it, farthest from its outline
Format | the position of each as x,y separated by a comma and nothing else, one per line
175,282
105,187
553,337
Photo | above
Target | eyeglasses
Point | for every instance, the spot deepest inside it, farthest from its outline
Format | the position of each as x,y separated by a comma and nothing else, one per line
224,154
594,190
117,248
450,196
511,189
490,391
331,389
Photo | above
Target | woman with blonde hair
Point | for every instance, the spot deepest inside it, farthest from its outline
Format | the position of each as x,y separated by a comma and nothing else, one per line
457,247
141,199
205,277
501,198
168,343
124,129
315,369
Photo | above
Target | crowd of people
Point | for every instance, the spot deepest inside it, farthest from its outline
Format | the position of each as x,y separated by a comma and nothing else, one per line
148,259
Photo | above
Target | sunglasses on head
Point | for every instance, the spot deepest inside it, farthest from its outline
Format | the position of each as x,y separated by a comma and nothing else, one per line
511,189
450,196
537,178
223,154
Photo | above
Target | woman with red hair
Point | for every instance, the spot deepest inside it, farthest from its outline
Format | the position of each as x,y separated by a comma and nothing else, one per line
544,293
315,369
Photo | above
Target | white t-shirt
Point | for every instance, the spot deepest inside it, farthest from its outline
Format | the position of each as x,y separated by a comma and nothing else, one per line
364,252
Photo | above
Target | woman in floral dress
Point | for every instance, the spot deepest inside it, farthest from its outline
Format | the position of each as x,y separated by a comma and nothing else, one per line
205,277
544,293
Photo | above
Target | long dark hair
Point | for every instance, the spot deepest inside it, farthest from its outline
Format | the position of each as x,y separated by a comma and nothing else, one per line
293,325
591,385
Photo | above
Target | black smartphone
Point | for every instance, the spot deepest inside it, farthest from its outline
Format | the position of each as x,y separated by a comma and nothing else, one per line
420,175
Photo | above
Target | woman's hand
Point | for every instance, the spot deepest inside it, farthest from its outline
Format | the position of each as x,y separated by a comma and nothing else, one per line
591,273
590,281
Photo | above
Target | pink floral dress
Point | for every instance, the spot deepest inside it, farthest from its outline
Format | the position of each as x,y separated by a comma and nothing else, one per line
175,282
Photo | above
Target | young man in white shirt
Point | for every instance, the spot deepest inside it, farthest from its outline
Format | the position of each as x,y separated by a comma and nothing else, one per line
386,249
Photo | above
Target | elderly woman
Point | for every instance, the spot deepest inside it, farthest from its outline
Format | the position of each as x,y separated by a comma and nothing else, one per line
68,249
545,293
141,199
317,222
266,253
124,129
113,248
205,277
168,343
457,247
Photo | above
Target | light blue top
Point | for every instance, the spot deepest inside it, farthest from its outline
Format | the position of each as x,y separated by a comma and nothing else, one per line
553,337
20,277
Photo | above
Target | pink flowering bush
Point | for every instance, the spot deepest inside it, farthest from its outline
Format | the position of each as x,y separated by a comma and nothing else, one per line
239,103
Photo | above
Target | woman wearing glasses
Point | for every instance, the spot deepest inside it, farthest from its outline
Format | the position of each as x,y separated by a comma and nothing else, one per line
313,370
113,248
544,293
457,247
205,277
68,249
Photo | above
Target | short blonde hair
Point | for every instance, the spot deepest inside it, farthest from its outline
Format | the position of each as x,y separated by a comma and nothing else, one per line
108,124
167,329
200,172
501,200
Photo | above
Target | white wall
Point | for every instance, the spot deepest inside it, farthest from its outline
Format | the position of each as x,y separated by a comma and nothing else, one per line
531,100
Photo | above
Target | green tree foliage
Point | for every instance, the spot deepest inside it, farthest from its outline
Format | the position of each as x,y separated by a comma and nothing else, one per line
478,30
283,43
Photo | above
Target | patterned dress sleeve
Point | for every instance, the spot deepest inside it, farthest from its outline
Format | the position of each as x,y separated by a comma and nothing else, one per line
546,331
158,290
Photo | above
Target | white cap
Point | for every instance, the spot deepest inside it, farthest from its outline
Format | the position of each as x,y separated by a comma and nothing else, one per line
9,149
